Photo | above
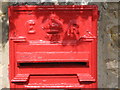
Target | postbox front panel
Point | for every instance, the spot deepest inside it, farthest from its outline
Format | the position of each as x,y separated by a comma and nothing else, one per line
53,47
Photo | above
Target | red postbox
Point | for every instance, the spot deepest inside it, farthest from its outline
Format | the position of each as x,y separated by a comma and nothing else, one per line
53,47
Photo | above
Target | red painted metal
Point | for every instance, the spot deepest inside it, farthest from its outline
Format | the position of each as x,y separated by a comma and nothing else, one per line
53,47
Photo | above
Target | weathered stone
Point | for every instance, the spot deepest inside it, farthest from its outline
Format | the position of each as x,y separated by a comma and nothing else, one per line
113,66
112,79
112,5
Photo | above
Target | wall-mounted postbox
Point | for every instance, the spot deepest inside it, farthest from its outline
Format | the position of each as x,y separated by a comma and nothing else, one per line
53,47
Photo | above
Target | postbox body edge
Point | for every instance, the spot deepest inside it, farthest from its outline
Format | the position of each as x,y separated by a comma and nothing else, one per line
53,47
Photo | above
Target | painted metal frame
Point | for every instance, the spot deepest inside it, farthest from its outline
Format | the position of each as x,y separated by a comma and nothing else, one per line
53,47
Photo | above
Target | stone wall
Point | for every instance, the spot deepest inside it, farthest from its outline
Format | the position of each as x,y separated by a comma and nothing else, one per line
4,61
108,45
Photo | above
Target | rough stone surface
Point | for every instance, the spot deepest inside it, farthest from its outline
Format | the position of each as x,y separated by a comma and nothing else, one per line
108,45
4,57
